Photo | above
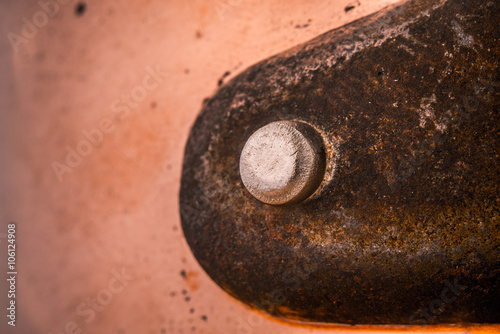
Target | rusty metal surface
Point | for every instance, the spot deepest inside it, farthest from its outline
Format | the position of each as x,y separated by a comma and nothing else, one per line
405,229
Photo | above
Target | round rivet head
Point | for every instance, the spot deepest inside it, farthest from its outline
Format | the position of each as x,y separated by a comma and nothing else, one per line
283,162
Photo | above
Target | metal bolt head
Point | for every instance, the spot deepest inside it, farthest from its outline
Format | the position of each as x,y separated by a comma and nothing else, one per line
283,162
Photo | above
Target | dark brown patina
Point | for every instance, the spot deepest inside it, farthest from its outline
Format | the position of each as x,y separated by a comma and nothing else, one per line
407,229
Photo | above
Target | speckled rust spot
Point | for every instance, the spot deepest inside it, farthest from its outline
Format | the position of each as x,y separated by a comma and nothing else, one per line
193,280
408,101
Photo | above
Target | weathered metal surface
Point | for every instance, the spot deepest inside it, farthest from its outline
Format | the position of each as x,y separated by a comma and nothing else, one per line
283,163
405,229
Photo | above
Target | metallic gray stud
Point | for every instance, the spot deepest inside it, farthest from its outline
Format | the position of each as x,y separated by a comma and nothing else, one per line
283,162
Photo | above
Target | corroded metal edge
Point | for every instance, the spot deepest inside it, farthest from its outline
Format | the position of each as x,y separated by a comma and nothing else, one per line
406,231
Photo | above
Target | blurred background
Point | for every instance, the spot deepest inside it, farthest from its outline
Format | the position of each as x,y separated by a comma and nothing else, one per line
97,99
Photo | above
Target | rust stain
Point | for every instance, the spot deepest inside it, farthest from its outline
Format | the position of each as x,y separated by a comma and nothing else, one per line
412,203
193,280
